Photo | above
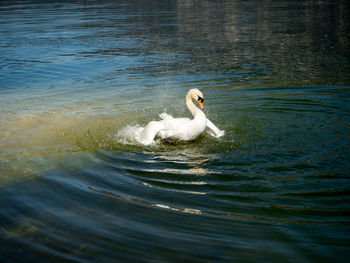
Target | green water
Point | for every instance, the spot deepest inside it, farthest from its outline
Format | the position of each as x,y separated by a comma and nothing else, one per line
275,77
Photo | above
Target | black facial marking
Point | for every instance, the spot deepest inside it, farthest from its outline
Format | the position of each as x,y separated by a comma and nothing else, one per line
200,99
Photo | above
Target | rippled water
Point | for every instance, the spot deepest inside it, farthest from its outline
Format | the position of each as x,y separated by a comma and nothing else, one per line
275,76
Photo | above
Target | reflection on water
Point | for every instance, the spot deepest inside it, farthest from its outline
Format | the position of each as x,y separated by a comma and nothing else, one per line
247,43
275,76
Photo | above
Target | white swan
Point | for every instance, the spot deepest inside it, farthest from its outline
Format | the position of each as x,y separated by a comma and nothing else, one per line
180,128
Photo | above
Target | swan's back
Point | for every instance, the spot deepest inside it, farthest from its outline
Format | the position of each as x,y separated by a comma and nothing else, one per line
182,128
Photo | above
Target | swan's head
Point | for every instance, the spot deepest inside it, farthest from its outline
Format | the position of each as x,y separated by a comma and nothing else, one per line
196,94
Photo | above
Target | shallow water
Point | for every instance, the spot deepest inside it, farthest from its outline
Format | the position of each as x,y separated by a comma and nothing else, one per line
275,77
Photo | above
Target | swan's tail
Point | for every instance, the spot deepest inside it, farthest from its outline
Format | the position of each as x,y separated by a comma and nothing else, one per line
142,135
148,133
165,116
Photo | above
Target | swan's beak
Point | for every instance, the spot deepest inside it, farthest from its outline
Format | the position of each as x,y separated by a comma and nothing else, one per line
200,103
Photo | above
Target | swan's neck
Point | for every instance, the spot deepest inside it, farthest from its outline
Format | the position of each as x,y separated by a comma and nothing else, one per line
190,105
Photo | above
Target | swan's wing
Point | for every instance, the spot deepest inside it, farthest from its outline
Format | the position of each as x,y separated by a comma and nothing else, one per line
213,130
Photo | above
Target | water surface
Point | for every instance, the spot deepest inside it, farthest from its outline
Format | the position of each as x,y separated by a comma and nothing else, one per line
275,77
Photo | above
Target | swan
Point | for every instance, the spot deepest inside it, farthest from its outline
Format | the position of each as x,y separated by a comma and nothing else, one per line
184,129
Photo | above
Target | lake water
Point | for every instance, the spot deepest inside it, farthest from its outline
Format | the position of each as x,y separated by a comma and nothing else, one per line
275,76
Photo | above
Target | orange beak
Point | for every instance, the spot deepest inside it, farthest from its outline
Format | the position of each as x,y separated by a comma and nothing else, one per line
200,103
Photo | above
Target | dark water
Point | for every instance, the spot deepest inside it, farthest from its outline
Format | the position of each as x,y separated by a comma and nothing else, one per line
275,76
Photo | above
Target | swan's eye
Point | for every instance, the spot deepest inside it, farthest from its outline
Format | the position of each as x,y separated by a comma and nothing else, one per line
200,99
